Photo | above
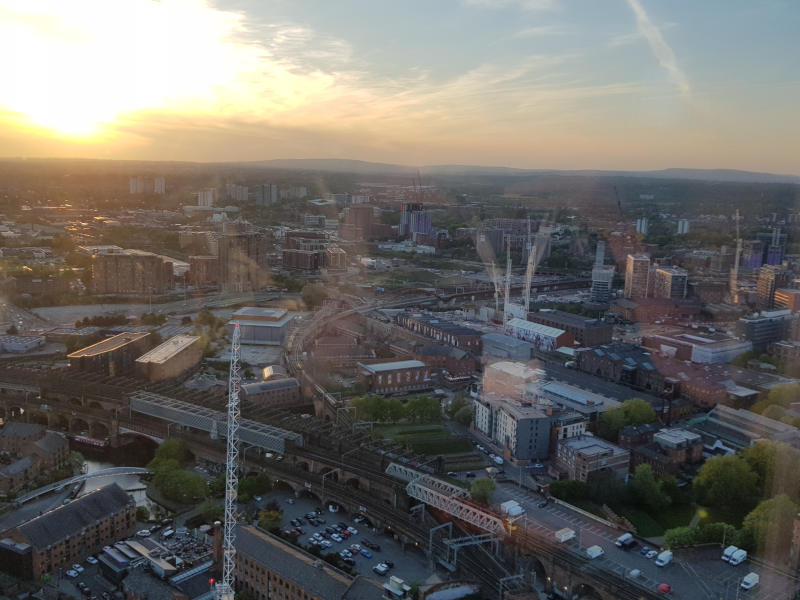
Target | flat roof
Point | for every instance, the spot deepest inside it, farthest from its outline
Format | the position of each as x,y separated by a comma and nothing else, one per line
575,394
589,445
109,345
392,366
505,341
162,353
259,312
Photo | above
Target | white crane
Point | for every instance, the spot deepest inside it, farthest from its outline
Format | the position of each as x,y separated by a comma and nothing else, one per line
734,276
507,298
224,588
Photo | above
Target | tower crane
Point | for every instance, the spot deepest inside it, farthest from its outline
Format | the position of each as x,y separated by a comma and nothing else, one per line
224,587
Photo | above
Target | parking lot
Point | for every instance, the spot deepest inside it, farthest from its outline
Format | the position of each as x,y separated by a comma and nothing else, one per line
410,565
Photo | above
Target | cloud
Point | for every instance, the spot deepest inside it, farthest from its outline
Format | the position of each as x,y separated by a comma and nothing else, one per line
662,51
532,5
537,31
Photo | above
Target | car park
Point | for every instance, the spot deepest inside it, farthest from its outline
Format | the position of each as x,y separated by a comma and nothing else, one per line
644,551
389,564
349,561
326,543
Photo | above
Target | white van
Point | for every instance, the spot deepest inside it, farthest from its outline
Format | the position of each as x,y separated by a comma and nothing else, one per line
663,559
738,557
565,535
750,581
728,552
594,551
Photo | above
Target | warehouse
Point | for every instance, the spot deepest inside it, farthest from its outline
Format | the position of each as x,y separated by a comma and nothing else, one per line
272,393
585,330
504,346
543,337
396,376
263,326
171,358
113,356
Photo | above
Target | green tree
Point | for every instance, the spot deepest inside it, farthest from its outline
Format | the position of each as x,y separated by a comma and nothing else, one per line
173,449
776,465
610,422
255,485
482,489
456,404
368,408
604,487
216,487
270,520
780,395
423,409
743,358
669,487
569,490
76,460
679,537
638,412
770,524
727,482
142,514
463,416
646,490
773,411
715,533
313,294
394,410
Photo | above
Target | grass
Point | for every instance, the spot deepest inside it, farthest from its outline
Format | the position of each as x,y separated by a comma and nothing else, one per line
649,526
440,446
406,433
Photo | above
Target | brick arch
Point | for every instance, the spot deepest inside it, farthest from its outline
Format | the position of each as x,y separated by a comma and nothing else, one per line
99,430
77,425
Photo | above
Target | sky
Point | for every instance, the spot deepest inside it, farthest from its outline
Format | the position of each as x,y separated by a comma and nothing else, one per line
617,84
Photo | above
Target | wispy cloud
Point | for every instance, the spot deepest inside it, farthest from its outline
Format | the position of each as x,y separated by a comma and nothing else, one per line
662,51
538,31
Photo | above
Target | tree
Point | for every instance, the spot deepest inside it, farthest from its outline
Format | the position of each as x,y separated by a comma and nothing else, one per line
679,537
646,490
715,533
456,404
669,487
76,460
727,482
423,409
216,487
313,294
776,465
780,395
142,514
569,490
173,449
770,524
610,422
638,412
255,485
773,411
604,487
482,489
463,416
270,520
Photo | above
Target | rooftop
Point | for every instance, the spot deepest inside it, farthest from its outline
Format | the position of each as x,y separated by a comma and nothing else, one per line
163,352
257,313
588,445
567,318
292,563
505,340
108,345
536,328
71,518
270,385
444,325
392,366
21,430
574,394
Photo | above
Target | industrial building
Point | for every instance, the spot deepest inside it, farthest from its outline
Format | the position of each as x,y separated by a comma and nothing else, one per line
579,457
586,331
264,326
67,534
113,356
131,272
170,359
441,330
497,345
19,344
543,337
395,376
272,393
739,428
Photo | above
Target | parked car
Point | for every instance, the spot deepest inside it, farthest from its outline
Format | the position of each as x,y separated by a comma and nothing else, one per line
349,561
380,569
354,548
389,564
645,550
346,554
78,568
651,555
336,537
72,574
143,533
366,553
91,560
352,530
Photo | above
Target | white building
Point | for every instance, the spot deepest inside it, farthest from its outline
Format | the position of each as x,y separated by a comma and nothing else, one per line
263,326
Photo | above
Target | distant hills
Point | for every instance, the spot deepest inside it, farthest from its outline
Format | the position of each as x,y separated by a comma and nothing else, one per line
361,167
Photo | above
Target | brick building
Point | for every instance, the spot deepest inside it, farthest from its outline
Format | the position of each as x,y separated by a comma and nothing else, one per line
242,261
579,457
68,533
395,376
203,270
442,330
131,272
670,450
35,451
272,393
586,331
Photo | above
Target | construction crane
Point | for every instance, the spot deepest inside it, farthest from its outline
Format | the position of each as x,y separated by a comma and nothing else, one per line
734,276
507,299
224,588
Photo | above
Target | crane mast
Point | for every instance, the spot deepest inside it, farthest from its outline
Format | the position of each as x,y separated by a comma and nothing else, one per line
224,588
508,280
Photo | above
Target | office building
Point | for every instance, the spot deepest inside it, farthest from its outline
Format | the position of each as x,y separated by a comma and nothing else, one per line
113,356
770,278
787,298
242,261
131,272
395,376
262,326
268,567
136,185
637,276
764,328
586,331
670,282
175,356
579,457
67,534
683,226
602,283
542,337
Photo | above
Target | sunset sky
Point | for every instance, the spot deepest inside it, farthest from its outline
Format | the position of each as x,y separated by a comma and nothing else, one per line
616,84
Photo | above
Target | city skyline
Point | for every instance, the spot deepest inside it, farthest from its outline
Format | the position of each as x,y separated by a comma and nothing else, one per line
632,85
